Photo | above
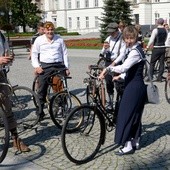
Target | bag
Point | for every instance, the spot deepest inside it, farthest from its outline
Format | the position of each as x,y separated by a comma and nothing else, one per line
152,94
57,84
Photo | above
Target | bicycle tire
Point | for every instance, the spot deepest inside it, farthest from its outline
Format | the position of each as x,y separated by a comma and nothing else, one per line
167,90
26,112
83,144
4,135
101,62
60,106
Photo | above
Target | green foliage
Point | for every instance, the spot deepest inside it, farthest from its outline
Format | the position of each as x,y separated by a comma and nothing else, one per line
114,11
60,30
24,13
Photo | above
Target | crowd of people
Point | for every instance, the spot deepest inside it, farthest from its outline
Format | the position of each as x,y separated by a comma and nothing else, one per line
123,50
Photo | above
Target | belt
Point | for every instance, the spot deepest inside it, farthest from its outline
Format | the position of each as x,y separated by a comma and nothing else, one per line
48,65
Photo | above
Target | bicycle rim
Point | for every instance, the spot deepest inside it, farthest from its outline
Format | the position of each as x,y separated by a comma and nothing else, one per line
4,136
83,144
24,108
167,90
61,105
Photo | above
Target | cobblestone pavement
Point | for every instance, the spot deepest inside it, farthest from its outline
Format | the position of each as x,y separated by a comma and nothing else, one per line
45,142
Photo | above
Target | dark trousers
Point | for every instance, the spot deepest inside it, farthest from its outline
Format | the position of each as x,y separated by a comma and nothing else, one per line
109,81
44,78
157,54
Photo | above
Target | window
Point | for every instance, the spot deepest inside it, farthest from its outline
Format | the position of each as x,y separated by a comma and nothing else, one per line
96,3
86,3
156,17
78,22
69,22
69,4
157,0
77,3
96,19
168,19
56,4
87,22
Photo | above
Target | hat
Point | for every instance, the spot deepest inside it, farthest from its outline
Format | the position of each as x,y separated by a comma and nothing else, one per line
48,24
112,27
160,21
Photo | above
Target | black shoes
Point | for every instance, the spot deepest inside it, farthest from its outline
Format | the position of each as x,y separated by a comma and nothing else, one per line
121,153
42,115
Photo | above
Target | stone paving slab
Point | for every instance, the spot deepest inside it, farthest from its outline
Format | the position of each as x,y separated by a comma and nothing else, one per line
45,142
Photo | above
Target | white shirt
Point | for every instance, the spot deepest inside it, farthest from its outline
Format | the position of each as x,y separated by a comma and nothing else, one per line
50,52
117,47
153,36
133,58
167,42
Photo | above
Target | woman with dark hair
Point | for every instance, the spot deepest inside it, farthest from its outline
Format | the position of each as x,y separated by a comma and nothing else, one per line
128,125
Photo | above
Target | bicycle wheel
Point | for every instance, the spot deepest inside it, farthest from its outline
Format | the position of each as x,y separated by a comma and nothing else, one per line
60,106
26,112
167,90
101,63
89,94
4,135
82,144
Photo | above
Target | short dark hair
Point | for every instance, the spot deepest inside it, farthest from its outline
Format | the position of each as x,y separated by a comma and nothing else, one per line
40,24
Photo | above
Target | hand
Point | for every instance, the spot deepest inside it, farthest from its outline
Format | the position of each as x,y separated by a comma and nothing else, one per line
106,45
38,70
102,75
67,72
116,78
4,60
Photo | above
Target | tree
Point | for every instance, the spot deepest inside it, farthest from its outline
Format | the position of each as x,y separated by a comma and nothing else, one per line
24,13
114,11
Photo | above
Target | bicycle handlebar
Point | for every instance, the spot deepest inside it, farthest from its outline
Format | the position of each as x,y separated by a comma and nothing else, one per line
95,67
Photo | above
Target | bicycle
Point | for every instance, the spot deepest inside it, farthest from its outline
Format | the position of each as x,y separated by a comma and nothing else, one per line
26,105
4,128
60,103
82,144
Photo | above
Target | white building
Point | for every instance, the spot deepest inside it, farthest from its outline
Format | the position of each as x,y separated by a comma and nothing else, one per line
83,15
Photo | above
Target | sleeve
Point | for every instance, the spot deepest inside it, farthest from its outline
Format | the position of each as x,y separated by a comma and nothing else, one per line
152,38
65,54
34,53
132,59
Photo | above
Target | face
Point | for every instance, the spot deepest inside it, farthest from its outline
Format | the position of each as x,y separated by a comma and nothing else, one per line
41,30
114,34
130,41
49,32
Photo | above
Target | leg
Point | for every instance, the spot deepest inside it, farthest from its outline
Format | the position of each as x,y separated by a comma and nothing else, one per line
162,65
10,116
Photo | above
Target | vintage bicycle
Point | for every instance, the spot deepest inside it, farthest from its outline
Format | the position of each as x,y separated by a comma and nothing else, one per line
90,122
59,102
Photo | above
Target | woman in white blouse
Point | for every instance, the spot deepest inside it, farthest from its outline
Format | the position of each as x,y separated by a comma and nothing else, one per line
128,125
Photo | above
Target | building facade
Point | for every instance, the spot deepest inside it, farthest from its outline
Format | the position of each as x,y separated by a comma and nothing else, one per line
83,16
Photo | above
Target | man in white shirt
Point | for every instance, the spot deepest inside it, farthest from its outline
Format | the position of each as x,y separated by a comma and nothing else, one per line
113,47
48,54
